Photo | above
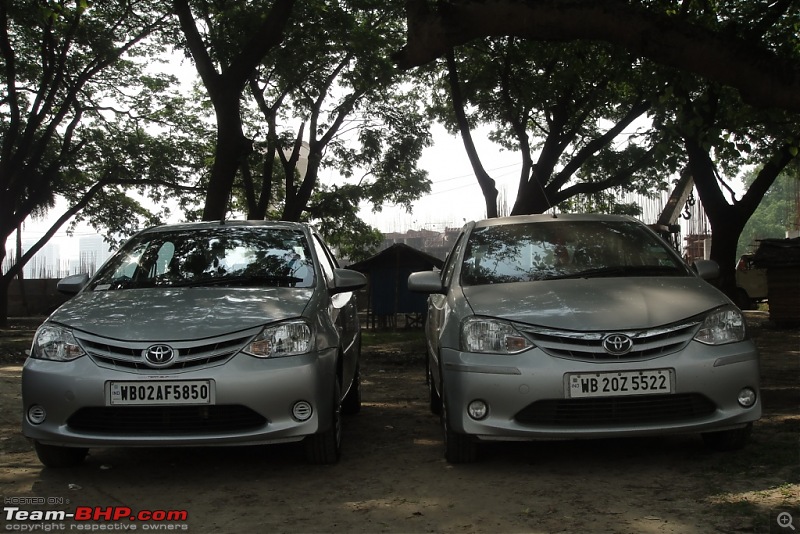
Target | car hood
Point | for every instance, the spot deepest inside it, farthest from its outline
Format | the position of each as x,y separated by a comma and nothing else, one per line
179,313
596,303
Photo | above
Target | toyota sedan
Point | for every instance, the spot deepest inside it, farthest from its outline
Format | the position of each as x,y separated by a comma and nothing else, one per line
582,326
223,333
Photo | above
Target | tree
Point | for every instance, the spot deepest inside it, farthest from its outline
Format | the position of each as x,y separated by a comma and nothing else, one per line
710,130
778,213
68,73
562,106
225,71
752,47
335,101
664,32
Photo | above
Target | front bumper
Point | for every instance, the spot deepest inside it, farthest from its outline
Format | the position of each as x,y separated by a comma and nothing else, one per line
527,396
252,403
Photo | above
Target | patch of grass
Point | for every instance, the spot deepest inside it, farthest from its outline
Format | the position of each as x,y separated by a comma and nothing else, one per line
15,341
401,347
402,338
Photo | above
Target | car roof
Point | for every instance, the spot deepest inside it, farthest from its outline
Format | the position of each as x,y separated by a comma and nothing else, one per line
550,217
226,224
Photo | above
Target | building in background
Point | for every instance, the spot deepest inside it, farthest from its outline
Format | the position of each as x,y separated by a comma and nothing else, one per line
93,251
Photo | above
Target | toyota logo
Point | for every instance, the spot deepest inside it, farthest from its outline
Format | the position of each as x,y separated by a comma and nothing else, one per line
617,344
159,355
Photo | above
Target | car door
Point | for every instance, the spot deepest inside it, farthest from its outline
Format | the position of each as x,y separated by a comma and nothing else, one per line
437,306
344,314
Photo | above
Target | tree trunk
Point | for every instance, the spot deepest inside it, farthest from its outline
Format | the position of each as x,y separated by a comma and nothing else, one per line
727,221
231,148
5,283
486,183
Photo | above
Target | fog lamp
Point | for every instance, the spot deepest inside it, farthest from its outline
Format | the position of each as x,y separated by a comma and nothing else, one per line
36,414
477,409
747,397
302,411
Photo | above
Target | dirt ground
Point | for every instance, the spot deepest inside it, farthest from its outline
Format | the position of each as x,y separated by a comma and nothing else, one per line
393,478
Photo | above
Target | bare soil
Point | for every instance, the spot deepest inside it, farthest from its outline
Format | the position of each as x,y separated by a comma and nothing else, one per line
392,476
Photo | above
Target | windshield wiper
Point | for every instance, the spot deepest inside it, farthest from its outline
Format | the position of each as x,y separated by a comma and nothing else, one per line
620,270
277,280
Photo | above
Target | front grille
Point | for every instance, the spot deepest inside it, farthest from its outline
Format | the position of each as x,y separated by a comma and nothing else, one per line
588,346
610,411
165,420
129,355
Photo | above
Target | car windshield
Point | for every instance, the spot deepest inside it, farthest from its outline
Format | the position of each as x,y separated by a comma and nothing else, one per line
565,249
232,256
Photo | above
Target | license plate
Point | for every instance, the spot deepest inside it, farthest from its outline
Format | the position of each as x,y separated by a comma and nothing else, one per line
160,393
620,383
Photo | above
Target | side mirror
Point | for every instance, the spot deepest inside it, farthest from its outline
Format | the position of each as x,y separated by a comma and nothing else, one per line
706,269
347,280
72,285
425,282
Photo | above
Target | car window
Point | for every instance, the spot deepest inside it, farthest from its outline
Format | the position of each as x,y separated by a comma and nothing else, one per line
561,249
240,256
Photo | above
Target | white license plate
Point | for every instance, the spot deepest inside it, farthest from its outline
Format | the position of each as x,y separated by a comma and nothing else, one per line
620,383
160,393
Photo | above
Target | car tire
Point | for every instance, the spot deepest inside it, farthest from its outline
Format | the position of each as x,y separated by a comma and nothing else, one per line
351,403
744,300
434,399
325,447
728,440
458,448
55,456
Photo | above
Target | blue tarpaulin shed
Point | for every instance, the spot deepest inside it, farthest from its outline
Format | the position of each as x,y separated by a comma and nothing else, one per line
388,291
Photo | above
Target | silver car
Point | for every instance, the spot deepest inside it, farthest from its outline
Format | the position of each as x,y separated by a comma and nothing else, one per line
223,333
582,326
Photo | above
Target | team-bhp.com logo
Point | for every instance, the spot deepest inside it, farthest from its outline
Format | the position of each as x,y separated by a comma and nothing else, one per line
94,513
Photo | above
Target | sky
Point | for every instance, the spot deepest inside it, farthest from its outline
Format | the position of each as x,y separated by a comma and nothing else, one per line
455,195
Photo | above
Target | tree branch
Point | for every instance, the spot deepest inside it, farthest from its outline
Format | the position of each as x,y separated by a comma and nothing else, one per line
763,78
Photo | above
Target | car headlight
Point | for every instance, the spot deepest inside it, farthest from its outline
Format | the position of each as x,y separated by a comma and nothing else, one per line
284,339
55,343
721,326
491,336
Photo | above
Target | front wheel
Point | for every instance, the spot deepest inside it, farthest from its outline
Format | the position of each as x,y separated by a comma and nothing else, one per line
325,447
351,404
434,400
728,440
458,448
744,300
55,456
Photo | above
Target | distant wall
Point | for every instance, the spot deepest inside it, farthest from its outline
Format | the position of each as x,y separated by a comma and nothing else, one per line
40,297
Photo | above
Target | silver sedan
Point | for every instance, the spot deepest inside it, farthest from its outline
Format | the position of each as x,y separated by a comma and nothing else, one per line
224,333
582,326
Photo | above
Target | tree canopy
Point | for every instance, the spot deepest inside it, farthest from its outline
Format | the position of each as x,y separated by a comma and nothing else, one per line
725,47
327,97
74,102
294,92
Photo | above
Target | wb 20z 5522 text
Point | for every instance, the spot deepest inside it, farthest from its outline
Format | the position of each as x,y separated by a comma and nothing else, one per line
619,383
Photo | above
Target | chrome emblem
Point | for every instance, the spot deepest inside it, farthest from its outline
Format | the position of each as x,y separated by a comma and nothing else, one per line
617,344
159,355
